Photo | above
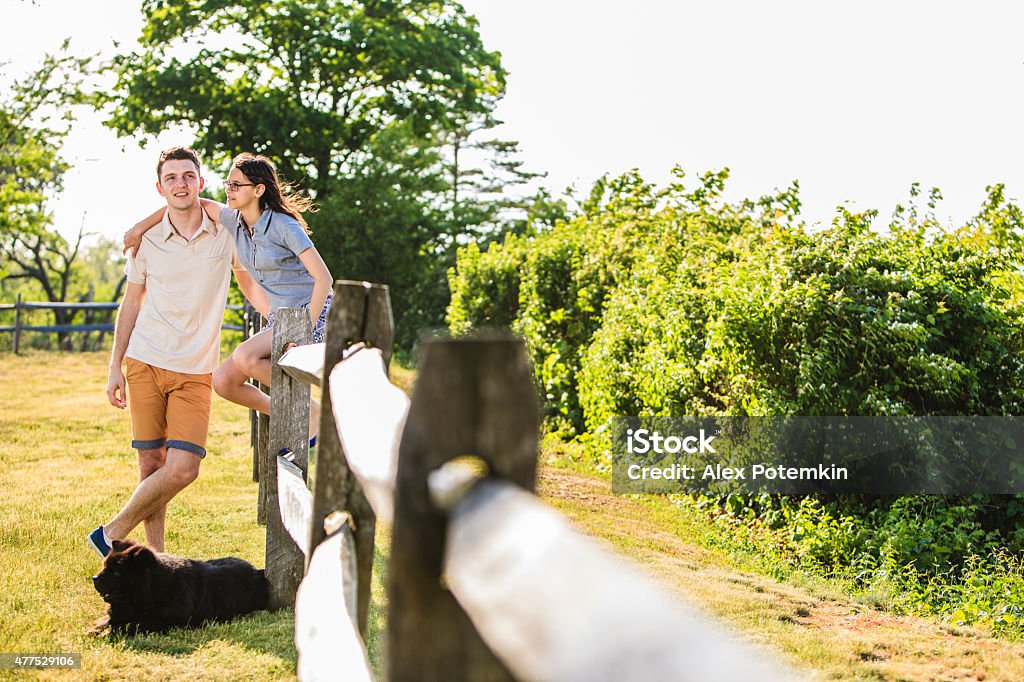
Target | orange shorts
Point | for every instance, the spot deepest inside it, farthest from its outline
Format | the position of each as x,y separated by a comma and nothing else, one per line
168,408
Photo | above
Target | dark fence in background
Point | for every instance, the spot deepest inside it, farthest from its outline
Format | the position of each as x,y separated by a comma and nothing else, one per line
106,310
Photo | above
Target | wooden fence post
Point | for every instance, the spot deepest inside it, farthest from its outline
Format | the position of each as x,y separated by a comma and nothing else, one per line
361,312
252,322
472,397
289,429
262,427
17,323
289,407
259,424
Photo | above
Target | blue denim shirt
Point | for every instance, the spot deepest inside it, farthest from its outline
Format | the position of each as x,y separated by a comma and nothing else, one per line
271,255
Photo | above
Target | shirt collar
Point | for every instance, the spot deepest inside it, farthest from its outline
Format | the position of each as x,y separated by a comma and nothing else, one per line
167,227
210,226
263,224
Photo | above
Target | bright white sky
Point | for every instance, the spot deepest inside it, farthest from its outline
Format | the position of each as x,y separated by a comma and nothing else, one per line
856,100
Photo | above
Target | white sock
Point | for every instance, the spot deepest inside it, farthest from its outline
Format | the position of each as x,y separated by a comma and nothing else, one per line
106,538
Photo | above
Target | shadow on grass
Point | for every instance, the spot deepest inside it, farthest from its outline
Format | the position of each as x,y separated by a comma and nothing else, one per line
266,632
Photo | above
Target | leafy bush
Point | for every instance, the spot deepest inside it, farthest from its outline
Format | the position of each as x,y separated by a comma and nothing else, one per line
672,302
551,286
485,289
845,321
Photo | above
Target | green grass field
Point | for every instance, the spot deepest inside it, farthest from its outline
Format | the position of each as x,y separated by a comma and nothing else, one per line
66,467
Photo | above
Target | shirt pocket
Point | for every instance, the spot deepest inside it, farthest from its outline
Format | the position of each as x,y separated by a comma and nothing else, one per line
263,257
220,250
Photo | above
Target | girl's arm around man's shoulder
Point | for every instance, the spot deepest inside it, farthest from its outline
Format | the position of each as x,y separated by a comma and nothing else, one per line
133,238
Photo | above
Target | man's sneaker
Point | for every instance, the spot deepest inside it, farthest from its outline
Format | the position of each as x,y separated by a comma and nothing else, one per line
97,542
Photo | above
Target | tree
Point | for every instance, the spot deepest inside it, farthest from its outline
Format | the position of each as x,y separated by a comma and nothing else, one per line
381,225
35,116
366,103
481,202
308,82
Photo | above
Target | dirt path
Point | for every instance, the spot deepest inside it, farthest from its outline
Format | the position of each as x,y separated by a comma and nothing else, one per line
834,637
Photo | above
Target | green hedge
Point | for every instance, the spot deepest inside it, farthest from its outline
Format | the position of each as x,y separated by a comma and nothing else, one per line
551,287
844,321
673,302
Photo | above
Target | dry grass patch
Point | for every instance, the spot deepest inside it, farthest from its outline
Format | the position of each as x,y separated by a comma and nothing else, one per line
820,631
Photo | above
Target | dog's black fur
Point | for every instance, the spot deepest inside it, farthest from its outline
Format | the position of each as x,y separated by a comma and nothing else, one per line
150,592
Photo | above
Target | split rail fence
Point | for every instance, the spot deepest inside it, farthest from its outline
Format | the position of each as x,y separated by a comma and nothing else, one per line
102,310
484,581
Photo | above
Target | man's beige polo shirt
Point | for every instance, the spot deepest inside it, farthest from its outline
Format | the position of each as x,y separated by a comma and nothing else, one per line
178,328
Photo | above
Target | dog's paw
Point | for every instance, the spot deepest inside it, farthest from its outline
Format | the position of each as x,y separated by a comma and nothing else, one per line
100,627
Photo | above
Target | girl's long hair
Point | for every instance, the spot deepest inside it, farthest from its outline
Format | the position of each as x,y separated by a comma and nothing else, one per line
277,195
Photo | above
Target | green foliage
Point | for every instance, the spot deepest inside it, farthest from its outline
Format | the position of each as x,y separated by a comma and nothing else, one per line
674,302
551,286
36,113
35,116
985,590
378,108
379,226
307,82
956,558
485,288
844,321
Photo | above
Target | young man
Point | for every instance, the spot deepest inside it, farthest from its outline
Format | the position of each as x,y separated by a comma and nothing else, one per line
168,335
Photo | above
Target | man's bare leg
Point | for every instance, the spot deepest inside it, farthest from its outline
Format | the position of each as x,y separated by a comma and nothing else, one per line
149,462
180,469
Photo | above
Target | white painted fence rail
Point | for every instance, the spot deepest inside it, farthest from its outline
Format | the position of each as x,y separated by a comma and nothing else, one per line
326,636
369,412
555,605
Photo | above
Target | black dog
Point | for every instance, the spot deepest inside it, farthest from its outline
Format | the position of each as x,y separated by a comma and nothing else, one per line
150,592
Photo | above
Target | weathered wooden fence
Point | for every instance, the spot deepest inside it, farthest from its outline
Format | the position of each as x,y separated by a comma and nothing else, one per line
484,581
19,327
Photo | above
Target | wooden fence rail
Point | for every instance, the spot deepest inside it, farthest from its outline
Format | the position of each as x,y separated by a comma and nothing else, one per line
485,582
19,327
